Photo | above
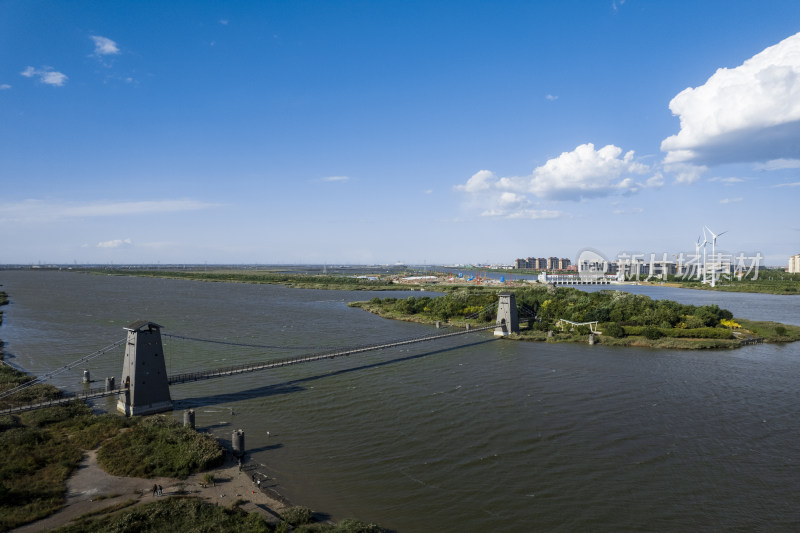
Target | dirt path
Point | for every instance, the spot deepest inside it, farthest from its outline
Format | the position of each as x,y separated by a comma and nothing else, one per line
91,489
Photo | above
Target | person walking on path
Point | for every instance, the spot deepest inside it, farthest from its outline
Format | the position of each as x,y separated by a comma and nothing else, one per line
160,493
155,490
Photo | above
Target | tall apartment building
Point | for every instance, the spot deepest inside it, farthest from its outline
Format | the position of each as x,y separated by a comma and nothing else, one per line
542,263
794,264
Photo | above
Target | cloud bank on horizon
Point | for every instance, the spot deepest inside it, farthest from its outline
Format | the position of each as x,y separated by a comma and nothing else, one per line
746,114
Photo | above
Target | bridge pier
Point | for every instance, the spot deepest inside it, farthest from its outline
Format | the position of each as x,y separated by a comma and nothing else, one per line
144,373
507,315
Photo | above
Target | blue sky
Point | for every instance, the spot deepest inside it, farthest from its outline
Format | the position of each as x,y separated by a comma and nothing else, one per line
376,132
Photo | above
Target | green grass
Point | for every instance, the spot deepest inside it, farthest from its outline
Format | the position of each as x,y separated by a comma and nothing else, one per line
159,446
174,515
40,450
298,280
768,282
186,514
767,330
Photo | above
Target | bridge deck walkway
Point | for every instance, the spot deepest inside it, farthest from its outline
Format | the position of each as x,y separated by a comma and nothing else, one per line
239,369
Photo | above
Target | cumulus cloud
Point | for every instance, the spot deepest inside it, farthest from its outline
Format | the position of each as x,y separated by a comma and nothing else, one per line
580,174
551,97
46,75
5,87
748,113
116,243
103,46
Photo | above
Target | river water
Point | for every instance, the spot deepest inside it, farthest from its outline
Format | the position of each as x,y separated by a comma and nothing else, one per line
468,434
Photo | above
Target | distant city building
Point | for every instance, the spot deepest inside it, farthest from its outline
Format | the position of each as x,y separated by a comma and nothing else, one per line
794,264
542,263
641,267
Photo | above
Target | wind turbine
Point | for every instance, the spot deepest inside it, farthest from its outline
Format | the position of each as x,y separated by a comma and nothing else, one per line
705,243
713,252
697,253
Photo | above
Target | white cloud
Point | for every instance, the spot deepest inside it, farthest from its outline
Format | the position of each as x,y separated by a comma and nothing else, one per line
529,214
551,97
46,75
779,164
428,191
41,211
728,181
480,181
794,184
104,46
584,173
744,114
686,173
631,211
336,178
5,87
730,200
580,174
116,243
657,180
224,22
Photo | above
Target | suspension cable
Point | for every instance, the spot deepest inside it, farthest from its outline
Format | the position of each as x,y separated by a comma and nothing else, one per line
240,344
61,370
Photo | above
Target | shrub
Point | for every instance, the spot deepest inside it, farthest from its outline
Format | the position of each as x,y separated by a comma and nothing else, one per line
652,333
159,446
613,329
298,515
780,330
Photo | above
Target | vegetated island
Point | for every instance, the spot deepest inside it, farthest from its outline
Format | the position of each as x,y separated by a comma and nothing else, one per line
43,448
622,319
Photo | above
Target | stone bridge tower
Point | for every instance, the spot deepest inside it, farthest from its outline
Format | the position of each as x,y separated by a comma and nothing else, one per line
507,315
144,372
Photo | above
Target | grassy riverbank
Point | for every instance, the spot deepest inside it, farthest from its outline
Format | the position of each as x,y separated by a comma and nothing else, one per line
768,282
294,280
179,514
623,319
41,449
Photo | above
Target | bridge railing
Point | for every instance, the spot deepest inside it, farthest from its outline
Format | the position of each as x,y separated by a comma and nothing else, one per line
63,397
328,354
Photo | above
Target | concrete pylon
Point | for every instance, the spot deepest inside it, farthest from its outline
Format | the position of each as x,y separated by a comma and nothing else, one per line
507,315
144,372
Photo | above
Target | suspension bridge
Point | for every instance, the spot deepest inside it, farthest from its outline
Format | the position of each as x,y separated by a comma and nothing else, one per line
144,387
